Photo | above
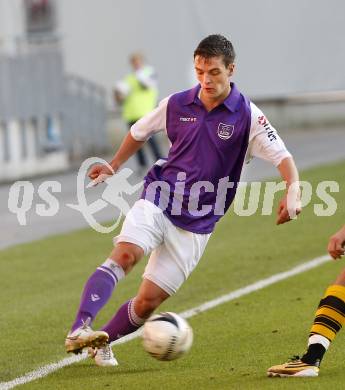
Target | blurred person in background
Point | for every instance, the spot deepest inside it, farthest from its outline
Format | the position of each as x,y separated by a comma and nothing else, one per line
137,94
328,321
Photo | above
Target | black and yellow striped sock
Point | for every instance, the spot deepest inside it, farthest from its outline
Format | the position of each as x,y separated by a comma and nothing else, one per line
330,315
329,319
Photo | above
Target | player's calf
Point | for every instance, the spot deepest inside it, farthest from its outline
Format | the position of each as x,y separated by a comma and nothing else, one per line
150,296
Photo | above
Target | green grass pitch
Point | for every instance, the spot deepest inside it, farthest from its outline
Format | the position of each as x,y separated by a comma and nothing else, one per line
234,343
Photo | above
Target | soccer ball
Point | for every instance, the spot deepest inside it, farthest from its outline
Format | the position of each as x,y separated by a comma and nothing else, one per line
167,336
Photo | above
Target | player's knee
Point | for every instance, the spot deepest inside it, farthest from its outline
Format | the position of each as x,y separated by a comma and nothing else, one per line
126,255
126,259
145,306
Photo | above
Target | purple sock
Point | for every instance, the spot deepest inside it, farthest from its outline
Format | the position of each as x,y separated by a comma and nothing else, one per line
97,291
125,321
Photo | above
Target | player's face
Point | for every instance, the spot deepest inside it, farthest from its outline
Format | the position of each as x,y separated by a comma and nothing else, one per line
213,76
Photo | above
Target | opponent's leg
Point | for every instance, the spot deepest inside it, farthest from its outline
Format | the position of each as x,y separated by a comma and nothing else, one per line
329,319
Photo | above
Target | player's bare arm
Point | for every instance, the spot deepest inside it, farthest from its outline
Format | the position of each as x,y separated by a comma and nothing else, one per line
336,244
289,174
140,132
128,147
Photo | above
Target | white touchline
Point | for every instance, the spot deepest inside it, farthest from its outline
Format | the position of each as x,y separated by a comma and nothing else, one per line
49,368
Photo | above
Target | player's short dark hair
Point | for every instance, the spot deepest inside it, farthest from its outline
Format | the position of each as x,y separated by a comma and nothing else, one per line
214,46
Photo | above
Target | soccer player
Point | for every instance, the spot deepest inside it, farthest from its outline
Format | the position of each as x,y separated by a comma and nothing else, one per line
211,128
329,319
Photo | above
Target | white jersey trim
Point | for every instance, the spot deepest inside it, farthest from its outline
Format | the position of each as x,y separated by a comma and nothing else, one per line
151,123
264,141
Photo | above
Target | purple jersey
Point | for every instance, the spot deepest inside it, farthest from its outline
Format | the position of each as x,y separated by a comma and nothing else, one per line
207,152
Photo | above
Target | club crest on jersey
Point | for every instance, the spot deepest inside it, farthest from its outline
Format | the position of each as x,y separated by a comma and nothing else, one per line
225,131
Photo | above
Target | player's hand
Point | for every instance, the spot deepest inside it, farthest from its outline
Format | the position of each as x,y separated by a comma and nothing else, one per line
98,173
286,211
336,244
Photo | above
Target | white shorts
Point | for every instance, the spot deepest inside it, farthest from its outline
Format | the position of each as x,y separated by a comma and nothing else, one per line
174,252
